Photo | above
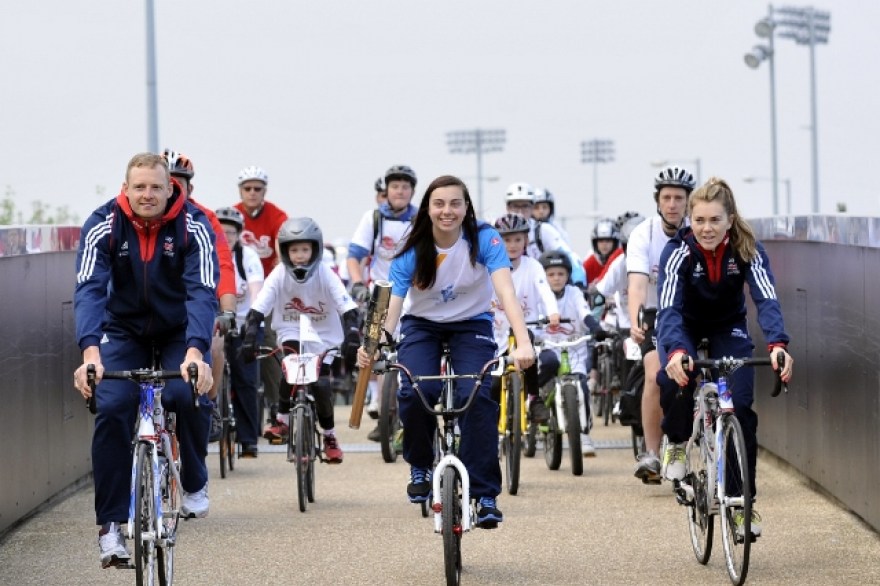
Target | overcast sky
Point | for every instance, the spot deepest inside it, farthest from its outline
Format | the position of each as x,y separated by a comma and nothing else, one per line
326,95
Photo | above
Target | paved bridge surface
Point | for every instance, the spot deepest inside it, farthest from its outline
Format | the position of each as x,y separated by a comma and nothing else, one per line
604,527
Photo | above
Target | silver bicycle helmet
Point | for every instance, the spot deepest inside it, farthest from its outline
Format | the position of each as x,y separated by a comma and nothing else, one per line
674,177
512,224
605,229
231,216
543,195
400,172
301,230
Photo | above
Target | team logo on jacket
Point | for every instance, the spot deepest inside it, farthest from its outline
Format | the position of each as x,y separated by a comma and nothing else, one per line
448,293
168,246
698,270
123,250
296,304
732,267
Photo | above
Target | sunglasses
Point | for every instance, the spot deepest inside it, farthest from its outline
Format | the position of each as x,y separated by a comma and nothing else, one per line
256,188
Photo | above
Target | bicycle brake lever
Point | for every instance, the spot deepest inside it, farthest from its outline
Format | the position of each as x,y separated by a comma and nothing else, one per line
779,386
193,371
90,378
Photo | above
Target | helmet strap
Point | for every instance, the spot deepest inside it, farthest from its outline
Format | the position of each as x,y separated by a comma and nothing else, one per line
669,228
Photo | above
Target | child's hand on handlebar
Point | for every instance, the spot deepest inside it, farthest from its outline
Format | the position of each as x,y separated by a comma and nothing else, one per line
523,356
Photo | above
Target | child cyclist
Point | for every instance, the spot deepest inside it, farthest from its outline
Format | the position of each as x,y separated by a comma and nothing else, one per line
572,306
535,299
442,267
303,285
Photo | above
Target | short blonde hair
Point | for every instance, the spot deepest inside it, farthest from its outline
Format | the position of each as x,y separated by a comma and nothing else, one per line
148,160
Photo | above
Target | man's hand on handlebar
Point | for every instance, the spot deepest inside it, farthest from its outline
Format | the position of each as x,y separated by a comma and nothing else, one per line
675,368
205,378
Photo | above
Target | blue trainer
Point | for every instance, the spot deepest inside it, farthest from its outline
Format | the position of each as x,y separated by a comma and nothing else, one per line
488,514
419,487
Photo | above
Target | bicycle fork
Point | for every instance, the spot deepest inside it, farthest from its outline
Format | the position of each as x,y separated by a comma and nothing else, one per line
445,462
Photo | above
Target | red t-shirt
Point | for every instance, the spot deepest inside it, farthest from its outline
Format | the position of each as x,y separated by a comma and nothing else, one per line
260,232
595,269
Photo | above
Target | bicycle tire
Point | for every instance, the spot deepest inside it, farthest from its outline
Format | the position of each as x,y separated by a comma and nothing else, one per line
451,529
553,443
301,456
513,433
144,516
573,427
170,491
607,394
388,421
224,445
312,448
701,521
530,446
735,489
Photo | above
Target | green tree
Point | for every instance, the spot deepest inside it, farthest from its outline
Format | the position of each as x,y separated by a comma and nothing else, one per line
41,214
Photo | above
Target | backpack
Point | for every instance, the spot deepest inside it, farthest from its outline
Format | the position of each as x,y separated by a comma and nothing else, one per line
631,397
239,260
538,241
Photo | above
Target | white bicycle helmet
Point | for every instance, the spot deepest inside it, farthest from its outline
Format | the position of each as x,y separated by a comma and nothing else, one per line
520,192
253,173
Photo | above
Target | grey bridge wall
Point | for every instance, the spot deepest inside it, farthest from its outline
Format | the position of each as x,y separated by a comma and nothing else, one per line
828,426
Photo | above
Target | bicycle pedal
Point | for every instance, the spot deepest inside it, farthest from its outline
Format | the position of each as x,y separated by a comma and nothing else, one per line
277,441
123,566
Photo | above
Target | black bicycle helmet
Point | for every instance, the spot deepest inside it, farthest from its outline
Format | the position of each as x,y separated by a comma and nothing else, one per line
554,258
301,230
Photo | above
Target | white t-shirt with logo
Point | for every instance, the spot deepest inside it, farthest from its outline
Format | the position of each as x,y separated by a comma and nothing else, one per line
573,306
536,299
322,298
390,235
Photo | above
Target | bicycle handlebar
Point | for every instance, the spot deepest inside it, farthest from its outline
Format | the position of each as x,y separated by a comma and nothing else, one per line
728,364
567,343
141,376
382,366
543,321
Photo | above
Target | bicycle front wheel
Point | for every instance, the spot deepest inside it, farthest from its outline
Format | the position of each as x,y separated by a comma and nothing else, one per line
701,522
300,437
735,498
451,511
553,443
388,421
313,448
144,516
573,427
514,432
170,491
225,444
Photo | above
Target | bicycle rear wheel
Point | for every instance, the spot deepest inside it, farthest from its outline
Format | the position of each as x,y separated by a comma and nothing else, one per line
302,456
144,516
735,497
573,427
451,511
388,421
701,523
514,432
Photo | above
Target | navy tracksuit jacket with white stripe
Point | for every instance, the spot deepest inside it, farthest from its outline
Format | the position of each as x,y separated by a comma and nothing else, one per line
142,284
701,295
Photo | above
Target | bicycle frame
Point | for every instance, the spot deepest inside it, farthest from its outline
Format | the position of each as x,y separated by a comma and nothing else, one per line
510,370
449,413
563,376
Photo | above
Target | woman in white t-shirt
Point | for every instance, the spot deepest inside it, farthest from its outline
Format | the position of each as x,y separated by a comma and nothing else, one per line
443,267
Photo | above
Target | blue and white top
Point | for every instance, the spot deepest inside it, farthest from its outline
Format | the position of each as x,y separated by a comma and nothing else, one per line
460,291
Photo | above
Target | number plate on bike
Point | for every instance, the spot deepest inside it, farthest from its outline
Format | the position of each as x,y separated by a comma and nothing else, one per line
633,351
301,369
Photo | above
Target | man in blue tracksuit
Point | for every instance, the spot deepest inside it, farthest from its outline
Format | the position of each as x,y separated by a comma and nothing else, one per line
146,277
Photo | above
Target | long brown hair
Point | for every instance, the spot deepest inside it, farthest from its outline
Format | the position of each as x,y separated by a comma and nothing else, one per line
742,239
421,237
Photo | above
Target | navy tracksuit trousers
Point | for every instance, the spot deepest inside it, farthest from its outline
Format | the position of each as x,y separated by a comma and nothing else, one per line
472,345
117,404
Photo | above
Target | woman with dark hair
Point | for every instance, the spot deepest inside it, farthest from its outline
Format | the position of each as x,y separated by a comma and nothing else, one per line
447,268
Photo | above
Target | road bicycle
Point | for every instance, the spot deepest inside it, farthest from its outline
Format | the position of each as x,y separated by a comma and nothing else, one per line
568,411
716,481
512,423
454,511
389,424
155,496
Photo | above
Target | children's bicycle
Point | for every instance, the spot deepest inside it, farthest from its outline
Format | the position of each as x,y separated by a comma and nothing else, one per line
154,506
511,418
568,411
716,480
389,423
454,511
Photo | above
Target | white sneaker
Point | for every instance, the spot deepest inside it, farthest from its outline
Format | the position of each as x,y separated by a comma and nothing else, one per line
674,462
195,504
112,546
587,447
